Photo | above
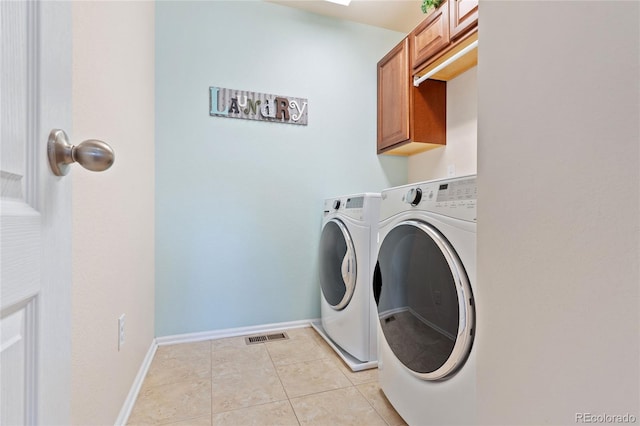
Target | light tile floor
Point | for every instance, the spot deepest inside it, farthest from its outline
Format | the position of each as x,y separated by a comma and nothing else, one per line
299,381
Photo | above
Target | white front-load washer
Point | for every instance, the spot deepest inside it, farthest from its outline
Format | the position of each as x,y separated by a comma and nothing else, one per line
424,291
347,244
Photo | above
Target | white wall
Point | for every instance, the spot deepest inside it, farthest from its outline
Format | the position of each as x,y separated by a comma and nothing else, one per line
462,134
113,211
558,211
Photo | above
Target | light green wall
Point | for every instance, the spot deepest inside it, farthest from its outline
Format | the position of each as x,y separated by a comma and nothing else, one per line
239,203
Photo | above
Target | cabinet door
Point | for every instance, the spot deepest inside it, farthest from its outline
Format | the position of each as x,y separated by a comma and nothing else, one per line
393,96
463,16
430,36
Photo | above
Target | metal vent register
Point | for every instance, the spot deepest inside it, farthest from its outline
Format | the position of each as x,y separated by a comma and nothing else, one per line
252,340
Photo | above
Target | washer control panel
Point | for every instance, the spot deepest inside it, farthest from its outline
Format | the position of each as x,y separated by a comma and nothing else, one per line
454,197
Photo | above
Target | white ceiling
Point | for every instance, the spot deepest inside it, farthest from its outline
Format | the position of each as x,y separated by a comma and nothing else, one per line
397,15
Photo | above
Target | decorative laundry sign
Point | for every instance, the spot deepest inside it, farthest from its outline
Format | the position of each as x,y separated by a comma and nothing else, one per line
257,106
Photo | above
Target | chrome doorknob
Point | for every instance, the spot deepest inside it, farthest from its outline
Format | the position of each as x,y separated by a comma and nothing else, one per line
91,154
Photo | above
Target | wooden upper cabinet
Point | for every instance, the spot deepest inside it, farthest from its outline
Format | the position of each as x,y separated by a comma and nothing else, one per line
431,36
413,119
410,119
393,96
443,34
463,16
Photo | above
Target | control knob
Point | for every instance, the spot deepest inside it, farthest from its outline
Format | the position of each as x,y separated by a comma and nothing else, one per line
414,196
336,204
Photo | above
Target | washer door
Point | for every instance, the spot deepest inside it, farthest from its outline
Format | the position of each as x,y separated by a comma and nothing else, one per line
424,299
337,264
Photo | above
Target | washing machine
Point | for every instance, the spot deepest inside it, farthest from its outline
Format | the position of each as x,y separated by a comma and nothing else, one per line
424,288
347,244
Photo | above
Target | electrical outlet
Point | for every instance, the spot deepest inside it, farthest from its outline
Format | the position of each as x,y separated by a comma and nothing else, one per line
120,331
451,170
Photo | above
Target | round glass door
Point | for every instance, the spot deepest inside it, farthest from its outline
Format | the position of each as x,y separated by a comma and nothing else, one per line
424,300
337,264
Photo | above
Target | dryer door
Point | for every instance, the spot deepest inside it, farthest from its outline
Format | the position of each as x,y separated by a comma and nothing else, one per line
424,299
337,264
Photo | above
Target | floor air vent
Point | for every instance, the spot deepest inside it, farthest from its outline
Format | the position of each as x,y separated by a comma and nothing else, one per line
252,340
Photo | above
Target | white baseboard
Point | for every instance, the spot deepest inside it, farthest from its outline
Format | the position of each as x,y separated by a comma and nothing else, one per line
230,332
125,412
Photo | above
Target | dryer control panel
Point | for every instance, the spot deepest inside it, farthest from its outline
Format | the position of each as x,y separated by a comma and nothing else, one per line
362,207
455,197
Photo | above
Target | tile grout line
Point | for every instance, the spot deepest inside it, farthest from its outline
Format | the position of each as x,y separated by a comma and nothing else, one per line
321,392
315,360
294,411
371,404
253,347
289,398
360,392
275,368
249,406
282,384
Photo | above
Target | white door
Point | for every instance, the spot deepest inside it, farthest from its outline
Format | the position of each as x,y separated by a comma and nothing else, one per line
35,215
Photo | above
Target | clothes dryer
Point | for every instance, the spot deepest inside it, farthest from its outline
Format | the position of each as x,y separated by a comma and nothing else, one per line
424,290
347,244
